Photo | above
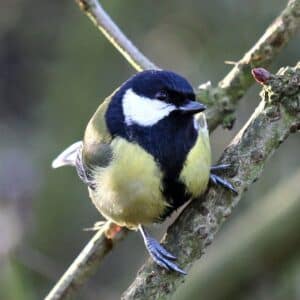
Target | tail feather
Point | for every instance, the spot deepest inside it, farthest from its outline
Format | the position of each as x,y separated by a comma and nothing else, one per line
67,157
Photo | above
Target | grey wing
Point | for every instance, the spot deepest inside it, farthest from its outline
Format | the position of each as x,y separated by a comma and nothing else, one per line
68,156
72,156
83,171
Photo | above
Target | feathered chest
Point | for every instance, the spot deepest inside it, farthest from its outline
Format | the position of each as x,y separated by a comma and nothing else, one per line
169,142
152,171
134,190
180,151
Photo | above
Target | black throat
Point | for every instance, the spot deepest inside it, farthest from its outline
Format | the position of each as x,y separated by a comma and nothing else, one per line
169,141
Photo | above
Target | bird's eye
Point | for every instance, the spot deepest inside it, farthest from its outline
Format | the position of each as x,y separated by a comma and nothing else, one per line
162,95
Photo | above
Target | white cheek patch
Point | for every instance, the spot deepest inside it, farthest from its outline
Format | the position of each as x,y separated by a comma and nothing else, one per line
144,111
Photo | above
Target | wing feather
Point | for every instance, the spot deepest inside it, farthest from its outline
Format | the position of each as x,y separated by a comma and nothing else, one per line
67,157
96,144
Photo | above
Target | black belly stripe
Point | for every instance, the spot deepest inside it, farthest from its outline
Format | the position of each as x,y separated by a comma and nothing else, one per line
175,194
168,141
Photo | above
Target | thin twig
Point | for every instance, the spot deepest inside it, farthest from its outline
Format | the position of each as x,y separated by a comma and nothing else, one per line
86,262
222,101
274,119
114,34
223,98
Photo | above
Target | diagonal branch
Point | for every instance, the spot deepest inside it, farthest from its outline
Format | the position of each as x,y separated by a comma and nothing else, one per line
114,34
86,262
255,236
221,99
277,115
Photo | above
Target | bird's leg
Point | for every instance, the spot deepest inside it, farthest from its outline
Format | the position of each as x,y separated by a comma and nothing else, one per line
219,180
158,253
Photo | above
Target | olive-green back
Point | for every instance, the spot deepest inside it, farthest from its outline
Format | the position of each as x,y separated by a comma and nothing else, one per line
96,143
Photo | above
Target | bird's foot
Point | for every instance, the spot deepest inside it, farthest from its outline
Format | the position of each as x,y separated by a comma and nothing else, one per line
159,254
219,180
110,229
97,226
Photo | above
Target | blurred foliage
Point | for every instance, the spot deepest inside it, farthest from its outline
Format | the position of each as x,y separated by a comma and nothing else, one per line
55,69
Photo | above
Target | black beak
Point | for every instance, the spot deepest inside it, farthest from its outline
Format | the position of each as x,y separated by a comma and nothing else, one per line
191,107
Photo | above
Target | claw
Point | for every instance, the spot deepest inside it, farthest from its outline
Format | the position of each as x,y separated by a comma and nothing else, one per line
219,180
213,179
97,226
159,254
152,243
225,183
110,229
220,167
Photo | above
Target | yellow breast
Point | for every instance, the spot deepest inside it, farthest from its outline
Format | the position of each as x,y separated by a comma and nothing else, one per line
128,190
195,173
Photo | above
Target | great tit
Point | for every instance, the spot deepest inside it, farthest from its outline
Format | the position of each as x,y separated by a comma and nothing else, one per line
145,152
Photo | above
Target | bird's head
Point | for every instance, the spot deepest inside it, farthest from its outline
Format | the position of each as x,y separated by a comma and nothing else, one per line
150,96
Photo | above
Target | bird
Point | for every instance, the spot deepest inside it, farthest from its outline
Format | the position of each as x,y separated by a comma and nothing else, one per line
145,152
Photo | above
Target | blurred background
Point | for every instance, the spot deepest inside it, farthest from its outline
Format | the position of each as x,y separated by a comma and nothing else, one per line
55,69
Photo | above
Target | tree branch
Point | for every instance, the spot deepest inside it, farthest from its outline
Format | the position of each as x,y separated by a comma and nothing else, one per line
224,98
277,115
222,101
86,262
253,237
114,34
